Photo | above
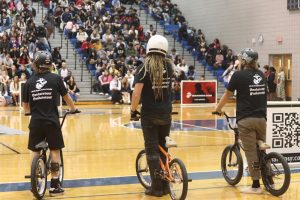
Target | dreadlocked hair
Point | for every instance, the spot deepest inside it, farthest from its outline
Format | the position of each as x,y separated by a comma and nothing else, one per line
154,65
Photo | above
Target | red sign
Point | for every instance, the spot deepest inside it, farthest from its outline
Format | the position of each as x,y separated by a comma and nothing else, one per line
198,92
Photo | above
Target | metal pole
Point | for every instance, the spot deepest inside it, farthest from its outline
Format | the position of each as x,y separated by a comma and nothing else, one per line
147,18
194,50
67,49
156,25
91,83
204,73
182,52
38,7
61,39
174,43
42,12
81,69
140,9
54,33
75,60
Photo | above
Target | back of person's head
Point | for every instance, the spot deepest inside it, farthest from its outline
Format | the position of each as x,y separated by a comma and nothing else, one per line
248,58
43,60
157,44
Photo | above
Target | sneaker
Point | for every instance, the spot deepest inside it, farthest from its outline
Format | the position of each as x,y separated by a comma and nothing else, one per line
156,193
106,94
251,190
55,188
101,93
53,192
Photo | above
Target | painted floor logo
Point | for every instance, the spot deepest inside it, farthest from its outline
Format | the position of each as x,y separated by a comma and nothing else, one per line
189,125
9,131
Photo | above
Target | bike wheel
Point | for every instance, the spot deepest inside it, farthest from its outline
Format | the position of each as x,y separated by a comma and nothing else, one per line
179,185
38,176
276,174
232,165
61,168
142,169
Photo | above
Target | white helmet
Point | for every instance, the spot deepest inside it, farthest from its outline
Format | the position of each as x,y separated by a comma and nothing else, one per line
158,44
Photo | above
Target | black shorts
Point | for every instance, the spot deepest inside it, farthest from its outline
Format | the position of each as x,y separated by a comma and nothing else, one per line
49,131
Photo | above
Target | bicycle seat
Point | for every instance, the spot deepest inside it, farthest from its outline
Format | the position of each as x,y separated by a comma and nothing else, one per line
262,145
170,142
42,145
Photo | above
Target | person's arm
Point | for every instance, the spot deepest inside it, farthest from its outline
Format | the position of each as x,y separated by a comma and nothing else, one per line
136,96
223,100
232,86
26,108
69,102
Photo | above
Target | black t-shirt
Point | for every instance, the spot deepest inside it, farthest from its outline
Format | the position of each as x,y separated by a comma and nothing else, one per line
41,92
251,93
161,108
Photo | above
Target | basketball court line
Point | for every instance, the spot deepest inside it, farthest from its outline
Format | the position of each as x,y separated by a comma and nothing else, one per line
118,180
10,148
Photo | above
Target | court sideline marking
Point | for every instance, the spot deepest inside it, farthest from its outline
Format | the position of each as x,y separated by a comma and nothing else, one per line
121,180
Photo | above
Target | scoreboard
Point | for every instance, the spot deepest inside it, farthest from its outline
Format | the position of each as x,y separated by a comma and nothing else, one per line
293,4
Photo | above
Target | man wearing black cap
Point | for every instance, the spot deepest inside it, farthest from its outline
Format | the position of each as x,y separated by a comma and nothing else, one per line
39,99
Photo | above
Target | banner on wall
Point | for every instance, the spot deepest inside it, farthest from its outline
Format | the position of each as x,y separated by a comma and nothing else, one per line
198,92
283,129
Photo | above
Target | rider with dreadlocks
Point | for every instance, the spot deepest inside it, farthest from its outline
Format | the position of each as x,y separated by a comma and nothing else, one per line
152,86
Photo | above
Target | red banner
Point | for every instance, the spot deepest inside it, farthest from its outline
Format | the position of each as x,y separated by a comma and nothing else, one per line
198,92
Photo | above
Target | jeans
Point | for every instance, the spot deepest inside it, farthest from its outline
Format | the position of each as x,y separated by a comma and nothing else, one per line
154,131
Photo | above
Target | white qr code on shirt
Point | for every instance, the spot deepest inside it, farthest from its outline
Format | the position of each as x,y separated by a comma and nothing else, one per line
285,130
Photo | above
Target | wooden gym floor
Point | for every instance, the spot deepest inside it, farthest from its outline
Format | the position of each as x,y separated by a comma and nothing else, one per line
101,147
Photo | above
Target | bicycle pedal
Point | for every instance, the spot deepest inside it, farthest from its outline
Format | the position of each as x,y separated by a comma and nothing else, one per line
262,145
170,142
27,176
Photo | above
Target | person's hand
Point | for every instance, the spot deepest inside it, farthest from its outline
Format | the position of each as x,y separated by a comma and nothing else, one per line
135,115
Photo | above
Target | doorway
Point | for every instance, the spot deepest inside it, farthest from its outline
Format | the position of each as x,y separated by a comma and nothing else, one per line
285,61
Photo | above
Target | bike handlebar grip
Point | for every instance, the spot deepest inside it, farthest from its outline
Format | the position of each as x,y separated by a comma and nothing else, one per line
76,111
174,113
216,113
27,176
27,114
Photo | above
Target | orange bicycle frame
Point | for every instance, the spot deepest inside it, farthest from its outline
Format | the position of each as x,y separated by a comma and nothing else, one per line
165,167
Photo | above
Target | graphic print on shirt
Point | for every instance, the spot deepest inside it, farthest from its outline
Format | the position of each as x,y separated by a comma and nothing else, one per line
40,83
40,92
257,88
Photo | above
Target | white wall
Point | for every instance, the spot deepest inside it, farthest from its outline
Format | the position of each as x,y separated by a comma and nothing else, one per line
236,22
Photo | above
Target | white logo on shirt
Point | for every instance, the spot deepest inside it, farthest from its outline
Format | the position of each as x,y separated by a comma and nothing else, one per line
257,79
40,83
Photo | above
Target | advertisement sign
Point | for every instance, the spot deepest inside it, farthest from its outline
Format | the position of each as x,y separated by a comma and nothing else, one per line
283,129
198,92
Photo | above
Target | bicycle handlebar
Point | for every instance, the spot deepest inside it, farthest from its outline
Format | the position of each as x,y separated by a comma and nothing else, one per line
227,118
66,113
63,117
137,118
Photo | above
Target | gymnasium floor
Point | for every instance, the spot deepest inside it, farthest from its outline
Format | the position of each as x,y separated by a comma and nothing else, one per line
101,147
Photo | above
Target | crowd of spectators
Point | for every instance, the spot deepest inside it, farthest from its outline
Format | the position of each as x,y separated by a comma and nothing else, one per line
17,41
109,38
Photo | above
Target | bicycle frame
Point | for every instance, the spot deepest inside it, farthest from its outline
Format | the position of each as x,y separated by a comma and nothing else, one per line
165,167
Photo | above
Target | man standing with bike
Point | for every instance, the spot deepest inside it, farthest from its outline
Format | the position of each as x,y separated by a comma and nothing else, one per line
40,96
251,106
152,86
